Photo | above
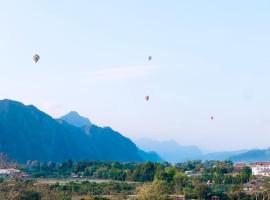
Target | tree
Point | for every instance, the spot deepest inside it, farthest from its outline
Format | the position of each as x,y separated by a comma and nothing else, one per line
266,191
3,160
145,172
246,172
30,195
202,190
181,179
235,192
157,190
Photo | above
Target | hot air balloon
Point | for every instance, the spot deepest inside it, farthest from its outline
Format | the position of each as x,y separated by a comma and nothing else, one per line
150,58
212,118
36,58
146,98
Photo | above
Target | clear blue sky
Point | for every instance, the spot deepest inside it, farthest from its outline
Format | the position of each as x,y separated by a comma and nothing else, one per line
209,58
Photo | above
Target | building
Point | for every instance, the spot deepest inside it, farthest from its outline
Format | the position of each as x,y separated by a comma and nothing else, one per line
253,185
240,165
9,172
261,169
74,175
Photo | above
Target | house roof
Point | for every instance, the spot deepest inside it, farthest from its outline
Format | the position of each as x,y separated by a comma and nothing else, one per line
262,163
265,171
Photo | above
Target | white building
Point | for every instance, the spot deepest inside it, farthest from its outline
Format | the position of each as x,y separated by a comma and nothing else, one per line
9,172
261,169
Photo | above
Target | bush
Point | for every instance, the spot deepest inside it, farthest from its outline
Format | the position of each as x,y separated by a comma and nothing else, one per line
30,195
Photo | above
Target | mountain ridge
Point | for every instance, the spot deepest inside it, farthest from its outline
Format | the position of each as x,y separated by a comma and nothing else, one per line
253,155
146,156
27,133
173,152
75,119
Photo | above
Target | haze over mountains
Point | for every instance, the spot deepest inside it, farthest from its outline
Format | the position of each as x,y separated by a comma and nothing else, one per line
253,155
26,133
171,151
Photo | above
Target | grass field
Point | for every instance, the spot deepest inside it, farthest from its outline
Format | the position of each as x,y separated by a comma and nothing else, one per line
51,181
112,197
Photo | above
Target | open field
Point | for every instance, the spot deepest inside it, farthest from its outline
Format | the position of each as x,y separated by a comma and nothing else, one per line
112,197
51,181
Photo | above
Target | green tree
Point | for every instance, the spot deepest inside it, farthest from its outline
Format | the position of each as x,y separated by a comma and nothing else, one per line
30,195
145,172
157,190
245,174
202,190
235,192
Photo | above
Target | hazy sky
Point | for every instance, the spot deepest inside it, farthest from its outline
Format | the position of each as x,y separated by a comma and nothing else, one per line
209,58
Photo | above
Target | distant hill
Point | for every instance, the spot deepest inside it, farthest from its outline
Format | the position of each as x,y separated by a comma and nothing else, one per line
170,151
253,156
26,133
223,155
150,156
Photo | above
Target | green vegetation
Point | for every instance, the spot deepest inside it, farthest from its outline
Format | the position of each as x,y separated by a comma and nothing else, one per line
193,179
88,188
17,189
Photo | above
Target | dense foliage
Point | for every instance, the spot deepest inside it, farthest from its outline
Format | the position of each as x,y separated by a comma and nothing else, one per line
214,171
194,179
91,188
17,189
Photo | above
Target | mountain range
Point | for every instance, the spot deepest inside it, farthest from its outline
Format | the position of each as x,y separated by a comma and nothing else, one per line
254,155
26,133
170,150
173,152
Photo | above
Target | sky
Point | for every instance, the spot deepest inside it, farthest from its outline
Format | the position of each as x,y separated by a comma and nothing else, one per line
209,58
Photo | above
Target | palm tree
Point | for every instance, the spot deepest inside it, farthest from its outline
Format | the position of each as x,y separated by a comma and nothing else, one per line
235,192
266,187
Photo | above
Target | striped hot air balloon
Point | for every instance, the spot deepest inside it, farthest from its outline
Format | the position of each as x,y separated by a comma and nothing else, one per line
36,58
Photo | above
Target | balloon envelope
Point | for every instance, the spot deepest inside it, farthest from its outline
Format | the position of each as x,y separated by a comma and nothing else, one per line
36,58
146,98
